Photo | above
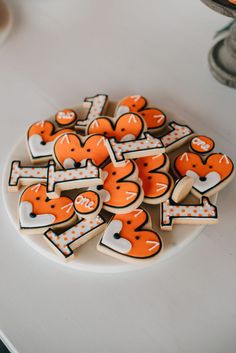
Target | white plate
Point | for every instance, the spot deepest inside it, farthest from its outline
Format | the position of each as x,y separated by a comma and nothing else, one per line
5,21
87,257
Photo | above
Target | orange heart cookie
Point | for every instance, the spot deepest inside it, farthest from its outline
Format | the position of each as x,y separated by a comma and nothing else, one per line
210,175
156,182
40,140
120,192
37,211
126,127
155,118
129,237
72,150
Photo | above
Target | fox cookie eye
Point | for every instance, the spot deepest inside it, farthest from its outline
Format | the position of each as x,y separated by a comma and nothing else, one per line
210,166
37,198
137,237
88,150
194,165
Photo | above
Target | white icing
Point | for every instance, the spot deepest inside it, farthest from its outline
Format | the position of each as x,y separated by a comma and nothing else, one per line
121,245
37,149
122,109
128,137
68,163
212,179
26,221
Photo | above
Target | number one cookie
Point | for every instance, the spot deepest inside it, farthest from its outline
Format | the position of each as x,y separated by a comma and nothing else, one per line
145,146
174,213
64,243
96,106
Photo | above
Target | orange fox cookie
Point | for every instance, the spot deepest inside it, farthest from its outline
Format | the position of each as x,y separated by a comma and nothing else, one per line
64,243
147,145
37,211
40,140
95,106
154,118
121,191
156,182
72,150
201,144
210,175
65,117
129,237
126,127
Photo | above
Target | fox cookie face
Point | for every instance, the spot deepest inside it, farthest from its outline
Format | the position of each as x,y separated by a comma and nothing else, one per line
129,236
209,176
121,191
156,182
37,211
71,151
154,118
40,140
127,127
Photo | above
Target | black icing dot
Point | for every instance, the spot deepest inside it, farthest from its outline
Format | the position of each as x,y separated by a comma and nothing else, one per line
43,143
32,215
194,165
113,173
128,222
77,164
137,237
88,150
99,187
203,178
149,177
116,235
145,164
210,166
72,150
52,206
123,129
37,198
118,187
41,132
133,105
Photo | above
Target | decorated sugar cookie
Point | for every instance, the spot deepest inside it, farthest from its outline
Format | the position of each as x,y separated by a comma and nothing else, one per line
88,204
210,175
178,136
73,178
147,145
37,211
182,188
96,106
121,191
126,127
201,144
176,213
129,237
156,182
64,243
22,176
72,150
66,117
154,118
40,140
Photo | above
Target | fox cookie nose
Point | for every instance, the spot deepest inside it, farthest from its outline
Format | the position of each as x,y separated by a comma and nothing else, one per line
116,235
43,143
77,164
203,178
32,215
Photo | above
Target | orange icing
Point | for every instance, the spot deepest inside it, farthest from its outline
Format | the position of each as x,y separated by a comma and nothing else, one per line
118,185
154,118
71,146
202,144
154,182
216,162
36,195
142,240
126,124
46,130
86,202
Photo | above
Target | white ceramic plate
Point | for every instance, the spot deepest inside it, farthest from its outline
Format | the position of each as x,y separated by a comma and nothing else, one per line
87,258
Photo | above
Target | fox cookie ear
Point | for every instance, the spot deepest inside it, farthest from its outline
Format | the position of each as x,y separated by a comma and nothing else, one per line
128,237
210,175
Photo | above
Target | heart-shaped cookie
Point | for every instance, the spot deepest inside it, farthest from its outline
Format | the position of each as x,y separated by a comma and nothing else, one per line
37,211
40,140
126,127
210,175
156,182
154,118
129,237
72,150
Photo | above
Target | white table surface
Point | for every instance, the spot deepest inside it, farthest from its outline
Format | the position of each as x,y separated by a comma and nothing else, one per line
57,53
